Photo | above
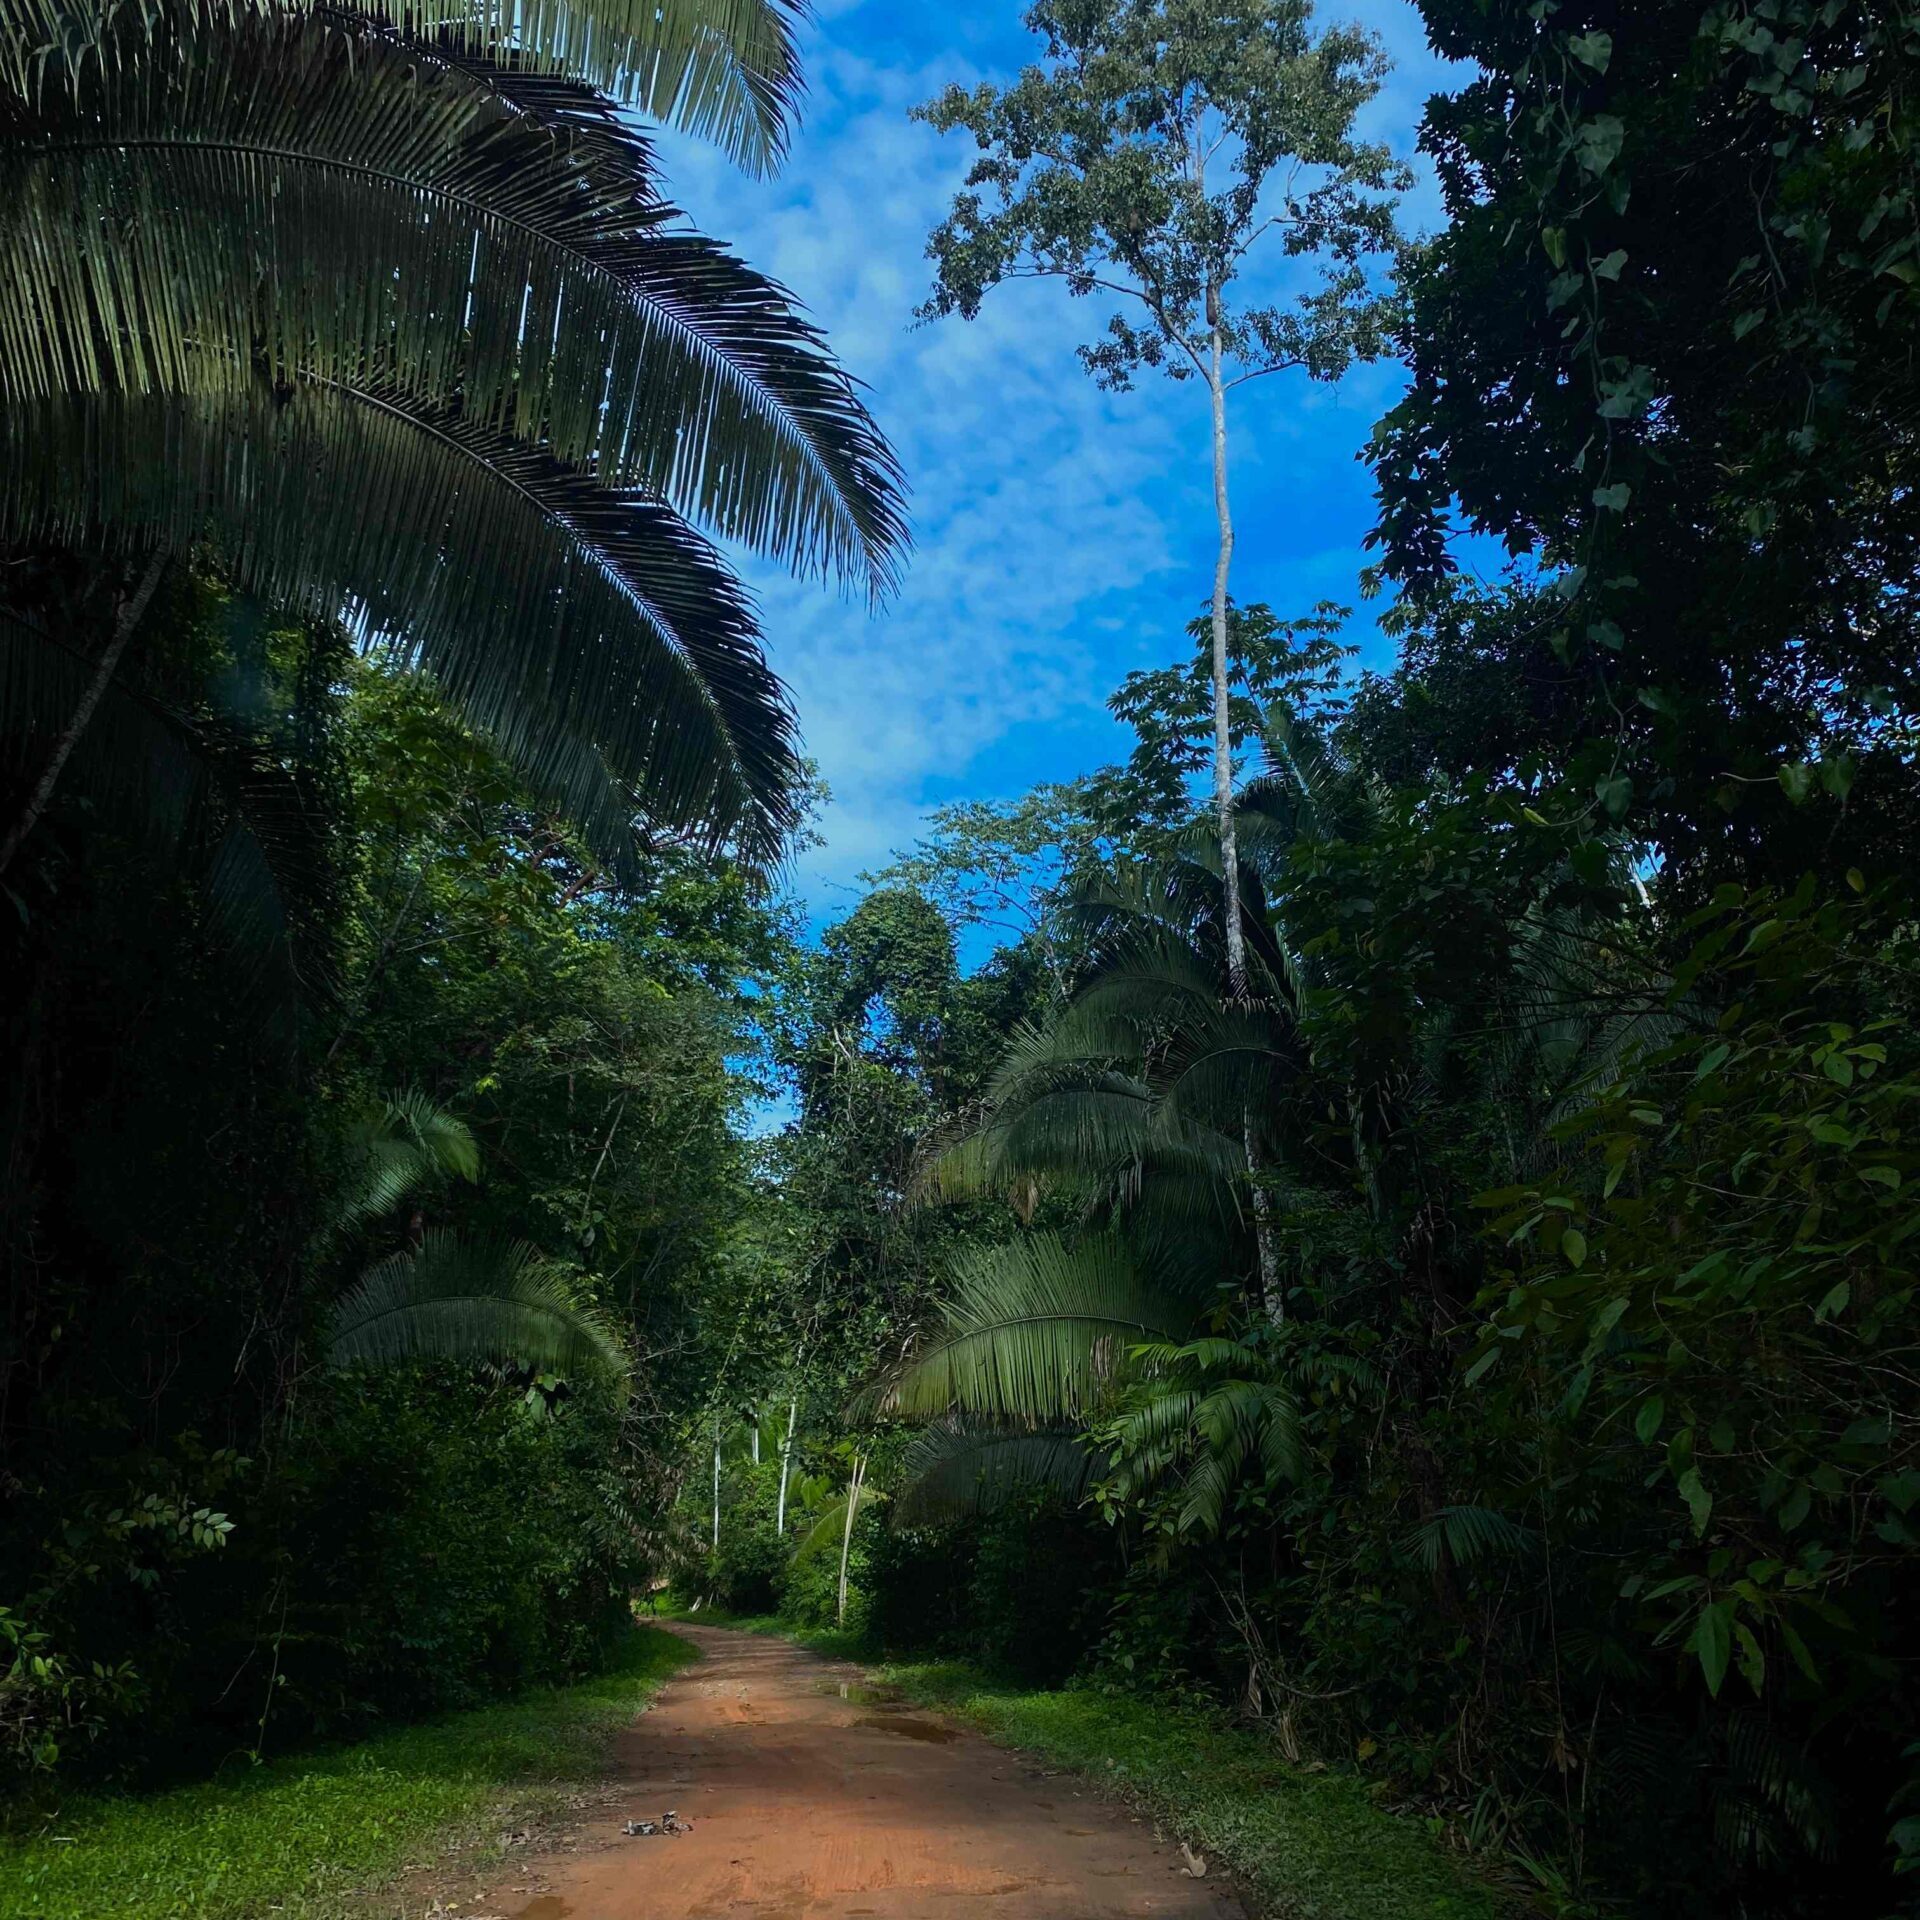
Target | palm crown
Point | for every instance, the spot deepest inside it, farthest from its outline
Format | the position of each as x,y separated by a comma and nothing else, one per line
386,308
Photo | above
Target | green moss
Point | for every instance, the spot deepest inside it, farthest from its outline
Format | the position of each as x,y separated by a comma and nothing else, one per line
1309,1846
300,1837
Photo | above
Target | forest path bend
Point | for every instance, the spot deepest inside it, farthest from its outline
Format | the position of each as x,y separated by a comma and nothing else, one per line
813,1797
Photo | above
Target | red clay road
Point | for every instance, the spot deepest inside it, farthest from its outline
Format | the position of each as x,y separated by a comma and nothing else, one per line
810,1799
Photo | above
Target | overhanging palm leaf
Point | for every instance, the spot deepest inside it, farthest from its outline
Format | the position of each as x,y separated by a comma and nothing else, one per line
962,1464
551,610
352,208
722,69
1036,1330
472,1300
384,305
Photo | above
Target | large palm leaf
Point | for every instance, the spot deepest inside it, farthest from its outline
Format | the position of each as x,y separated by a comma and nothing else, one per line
1206,1414
722,69
962,1464
407,1143
1036,1330
384,307
471,1299
353,209
553,611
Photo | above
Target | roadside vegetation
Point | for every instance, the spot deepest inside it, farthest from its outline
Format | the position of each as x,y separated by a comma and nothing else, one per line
1306,1844
320,1834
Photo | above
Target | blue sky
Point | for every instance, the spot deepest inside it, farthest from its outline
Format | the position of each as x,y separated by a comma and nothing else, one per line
1062,536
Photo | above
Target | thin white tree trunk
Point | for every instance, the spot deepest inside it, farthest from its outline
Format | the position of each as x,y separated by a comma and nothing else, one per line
786,1467
1222,714
756,1436
1269,1257
716,1483
124,623
846,1535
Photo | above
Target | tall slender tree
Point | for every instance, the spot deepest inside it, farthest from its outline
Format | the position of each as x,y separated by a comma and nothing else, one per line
1154,153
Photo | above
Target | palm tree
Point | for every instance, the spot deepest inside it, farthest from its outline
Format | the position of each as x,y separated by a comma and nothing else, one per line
443,1294
384,310
1155,1106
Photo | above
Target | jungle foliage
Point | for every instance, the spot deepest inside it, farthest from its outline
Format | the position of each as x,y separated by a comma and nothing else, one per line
1411,1248
392,779
1560,1471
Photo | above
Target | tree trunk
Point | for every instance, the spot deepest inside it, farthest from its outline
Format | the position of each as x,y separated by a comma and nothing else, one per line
716,1483
1222,716
1272,1294
124,623
786,1468
1269,1258
846,1535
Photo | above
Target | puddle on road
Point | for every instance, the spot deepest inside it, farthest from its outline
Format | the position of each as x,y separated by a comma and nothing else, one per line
911,1729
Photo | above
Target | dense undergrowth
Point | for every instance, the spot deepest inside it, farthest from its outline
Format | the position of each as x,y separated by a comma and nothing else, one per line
316,1835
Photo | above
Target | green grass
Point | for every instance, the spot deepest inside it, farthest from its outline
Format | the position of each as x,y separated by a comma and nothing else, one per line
302,1837
1306,1845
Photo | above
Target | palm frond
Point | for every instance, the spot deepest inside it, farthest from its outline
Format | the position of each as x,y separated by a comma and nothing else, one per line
550,610
407,1145
472,1300
351,209
962,1465
1466,1536
829,1529
725,70
1036,1330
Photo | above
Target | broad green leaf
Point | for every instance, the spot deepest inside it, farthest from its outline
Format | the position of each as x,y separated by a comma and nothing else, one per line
1592,49
1693,1490
1713,1642
1597,144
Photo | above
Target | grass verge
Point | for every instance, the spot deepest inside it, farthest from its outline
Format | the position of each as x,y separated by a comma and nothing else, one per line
305,1838
1306,1845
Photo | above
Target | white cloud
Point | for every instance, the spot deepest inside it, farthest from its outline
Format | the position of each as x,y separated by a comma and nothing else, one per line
1062,535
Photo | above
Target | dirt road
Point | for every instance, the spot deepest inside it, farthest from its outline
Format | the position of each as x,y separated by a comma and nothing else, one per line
810,1799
